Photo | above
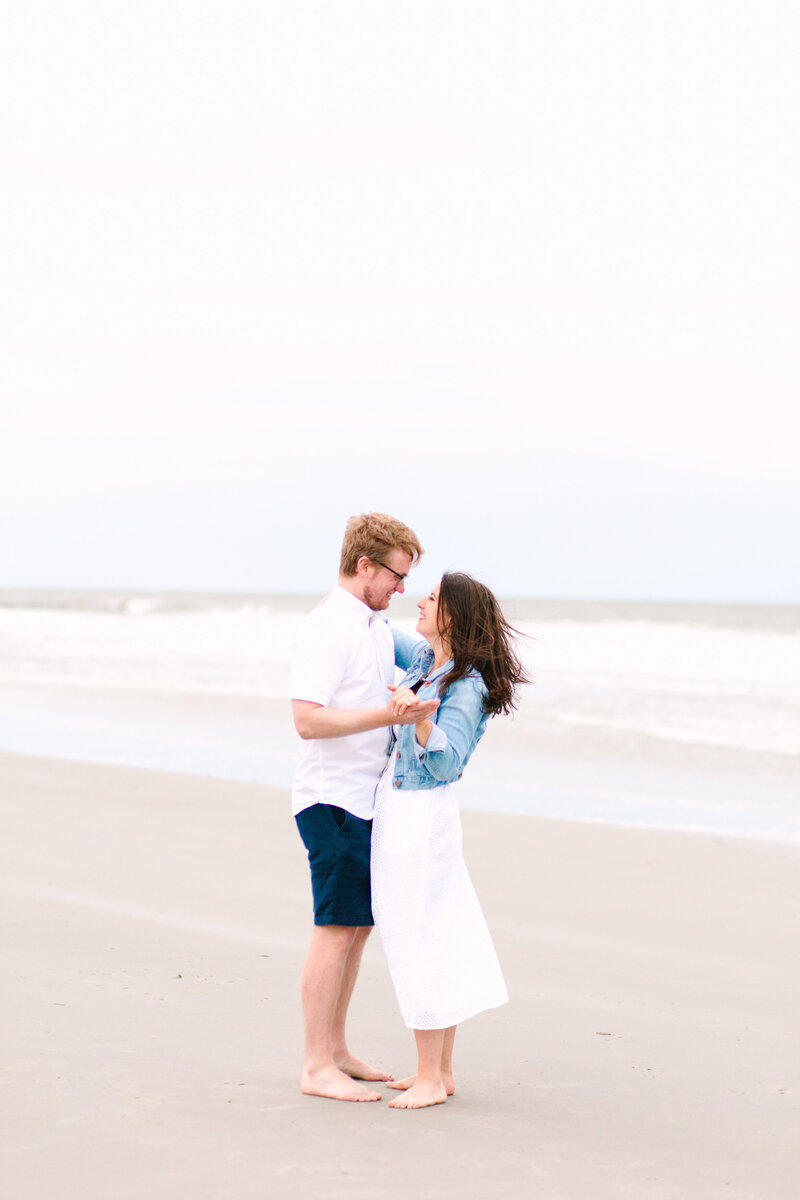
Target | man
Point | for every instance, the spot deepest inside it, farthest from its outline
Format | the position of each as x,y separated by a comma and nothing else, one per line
342,669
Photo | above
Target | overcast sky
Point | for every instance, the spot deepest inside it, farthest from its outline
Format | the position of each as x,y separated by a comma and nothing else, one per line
523,274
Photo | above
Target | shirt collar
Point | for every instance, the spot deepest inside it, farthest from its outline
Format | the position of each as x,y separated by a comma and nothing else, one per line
357,608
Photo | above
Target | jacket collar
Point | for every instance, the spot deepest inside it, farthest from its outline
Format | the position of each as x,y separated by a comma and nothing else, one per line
426,661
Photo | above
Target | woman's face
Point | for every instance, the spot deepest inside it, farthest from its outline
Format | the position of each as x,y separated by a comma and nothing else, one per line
428,623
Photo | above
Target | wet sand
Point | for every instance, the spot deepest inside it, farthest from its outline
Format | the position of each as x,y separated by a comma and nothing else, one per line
155,927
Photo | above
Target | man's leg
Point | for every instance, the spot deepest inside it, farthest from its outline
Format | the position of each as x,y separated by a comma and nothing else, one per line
323,979
347,1062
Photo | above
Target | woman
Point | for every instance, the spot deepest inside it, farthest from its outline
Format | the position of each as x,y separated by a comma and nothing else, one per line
437,944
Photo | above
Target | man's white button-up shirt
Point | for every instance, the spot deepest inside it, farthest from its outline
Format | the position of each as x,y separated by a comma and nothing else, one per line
343,658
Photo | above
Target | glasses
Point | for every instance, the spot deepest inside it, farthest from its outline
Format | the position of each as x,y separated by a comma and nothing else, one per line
396,574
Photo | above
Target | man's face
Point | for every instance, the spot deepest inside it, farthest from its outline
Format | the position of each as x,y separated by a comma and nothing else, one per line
386,578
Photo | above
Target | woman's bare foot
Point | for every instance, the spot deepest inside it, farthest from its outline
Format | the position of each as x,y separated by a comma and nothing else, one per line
356,1068
333,1084
402,1085
420,1095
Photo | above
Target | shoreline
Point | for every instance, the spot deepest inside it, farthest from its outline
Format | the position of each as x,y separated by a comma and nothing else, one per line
560,779
667,726
158,926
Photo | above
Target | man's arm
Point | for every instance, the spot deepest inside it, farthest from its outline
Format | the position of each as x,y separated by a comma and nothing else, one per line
318,721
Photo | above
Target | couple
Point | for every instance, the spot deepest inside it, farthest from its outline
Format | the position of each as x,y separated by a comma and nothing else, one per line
352,804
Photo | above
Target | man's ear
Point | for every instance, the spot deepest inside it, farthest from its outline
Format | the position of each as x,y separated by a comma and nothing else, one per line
363,565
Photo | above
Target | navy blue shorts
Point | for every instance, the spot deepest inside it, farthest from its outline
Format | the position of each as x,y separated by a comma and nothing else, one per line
338,847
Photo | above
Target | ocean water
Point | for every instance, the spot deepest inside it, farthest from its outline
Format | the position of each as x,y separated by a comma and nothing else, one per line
681,716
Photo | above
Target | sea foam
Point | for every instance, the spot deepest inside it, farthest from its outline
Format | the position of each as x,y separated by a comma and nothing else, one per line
683,708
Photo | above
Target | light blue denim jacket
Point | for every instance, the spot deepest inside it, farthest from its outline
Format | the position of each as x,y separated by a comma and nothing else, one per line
457,725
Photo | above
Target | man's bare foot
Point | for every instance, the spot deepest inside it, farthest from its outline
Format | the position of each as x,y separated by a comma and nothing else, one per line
420,1095
356,1068
402,1085
333,1084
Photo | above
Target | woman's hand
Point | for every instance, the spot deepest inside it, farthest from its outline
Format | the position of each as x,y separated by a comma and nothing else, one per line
407,708
400,701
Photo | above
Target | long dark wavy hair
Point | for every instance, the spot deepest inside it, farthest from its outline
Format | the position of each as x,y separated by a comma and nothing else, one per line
480,637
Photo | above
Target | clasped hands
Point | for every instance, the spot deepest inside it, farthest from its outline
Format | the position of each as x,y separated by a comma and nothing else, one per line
407,708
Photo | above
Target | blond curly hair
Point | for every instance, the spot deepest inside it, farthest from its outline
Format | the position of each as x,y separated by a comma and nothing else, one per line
376,535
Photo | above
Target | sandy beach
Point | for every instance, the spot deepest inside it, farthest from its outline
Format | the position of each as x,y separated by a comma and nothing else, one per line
155,927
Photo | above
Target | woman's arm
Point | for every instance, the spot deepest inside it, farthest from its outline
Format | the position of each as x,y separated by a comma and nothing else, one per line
406,647
423,732
442,748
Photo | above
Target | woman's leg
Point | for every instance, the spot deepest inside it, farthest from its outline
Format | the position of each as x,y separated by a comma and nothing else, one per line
447,1059
403,1085
428,1086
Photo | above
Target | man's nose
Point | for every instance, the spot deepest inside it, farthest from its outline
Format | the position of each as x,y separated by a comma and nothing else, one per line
400,586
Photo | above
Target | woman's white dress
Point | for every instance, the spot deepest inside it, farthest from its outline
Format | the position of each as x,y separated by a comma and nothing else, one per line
440,952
